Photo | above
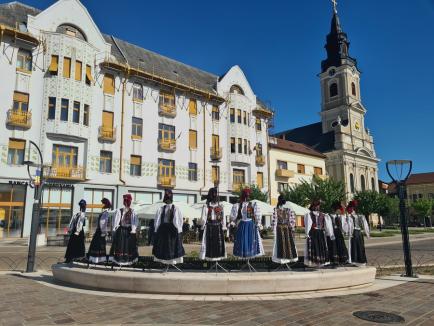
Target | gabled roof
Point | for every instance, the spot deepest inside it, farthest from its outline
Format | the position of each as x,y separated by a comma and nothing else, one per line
15,13
291,146
310,135
420,178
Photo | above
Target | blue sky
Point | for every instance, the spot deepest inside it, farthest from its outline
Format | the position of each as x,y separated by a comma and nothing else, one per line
279,45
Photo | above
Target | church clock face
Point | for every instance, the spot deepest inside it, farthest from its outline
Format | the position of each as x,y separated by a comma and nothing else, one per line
357,125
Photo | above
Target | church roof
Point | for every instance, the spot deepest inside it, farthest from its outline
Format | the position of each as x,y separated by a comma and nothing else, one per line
291,146
310,135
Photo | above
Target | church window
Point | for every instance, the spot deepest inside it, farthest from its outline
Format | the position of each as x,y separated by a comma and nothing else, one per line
352,183
353,89
333,90
373,183
71,31
362,182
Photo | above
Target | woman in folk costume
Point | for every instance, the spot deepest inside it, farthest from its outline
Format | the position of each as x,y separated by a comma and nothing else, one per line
355,224
284,250
317,226
338,253
248,243
75,249
213,246
124,250
168,248
97,249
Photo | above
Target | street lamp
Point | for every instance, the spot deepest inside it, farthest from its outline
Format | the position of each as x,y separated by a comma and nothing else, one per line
38,184
400,178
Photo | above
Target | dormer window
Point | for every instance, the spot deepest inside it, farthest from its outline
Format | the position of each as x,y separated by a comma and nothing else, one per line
235,89
71,31
333,90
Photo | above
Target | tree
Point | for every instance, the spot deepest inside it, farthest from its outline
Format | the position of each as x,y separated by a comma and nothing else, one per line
422,208
255,193
368,202
388,209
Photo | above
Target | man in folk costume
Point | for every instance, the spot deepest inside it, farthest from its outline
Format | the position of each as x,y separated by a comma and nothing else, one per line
248,243
284,250
213,246
355,224
97,249
75,249
168,248
124,250
317,226
338,253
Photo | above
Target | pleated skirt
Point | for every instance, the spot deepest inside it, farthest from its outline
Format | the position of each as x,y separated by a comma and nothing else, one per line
284,250
213,244
97,249
248,242
316,253
124,250
75,249
358,254
168,246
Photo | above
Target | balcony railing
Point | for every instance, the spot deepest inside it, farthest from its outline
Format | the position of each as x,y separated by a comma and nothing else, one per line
168,145
22,119
260,160
283,173
167,110
216,153
167,181
65,172
107,134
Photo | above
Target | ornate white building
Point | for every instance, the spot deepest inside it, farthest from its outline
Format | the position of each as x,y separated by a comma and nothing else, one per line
111,117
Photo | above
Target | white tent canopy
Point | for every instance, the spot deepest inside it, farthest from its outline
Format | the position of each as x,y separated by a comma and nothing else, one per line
264,208
298,210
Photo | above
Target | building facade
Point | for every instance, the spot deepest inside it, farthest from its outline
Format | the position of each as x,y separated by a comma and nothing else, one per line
420,186
292,163
111,117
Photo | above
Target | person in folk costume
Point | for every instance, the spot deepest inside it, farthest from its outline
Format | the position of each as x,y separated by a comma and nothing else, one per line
213,246
317,226
168,248
97,249
338,253
284,250
75,249
248,242
355,224
124,249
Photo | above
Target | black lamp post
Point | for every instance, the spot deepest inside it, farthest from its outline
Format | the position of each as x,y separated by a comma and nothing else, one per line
400,178
38,184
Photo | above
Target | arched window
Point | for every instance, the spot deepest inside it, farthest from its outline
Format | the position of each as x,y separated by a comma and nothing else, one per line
235,89
362,182
333,90
352,183
373,183
353,89
71,31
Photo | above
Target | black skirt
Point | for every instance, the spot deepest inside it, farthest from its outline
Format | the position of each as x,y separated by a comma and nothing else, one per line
124,247
285,244
358,248
316,253
97,250
75,249
215,240
341,247
168,243
332,251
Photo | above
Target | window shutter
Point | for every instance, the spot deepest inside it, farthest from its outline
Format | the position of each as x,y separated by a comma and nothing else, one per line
54,64
17,144
66,67
78,70
135,160
89,73
109,84
107,119
21,97
192,107
193,139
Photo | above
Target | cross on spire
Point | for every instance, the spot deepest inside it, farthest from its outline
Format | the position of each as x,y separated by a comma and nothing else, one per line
335,4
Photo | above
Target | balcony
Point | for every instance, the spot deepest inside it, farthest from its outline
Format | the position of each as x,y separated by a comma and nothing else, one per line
168,145
260,160
283,173
167,110
167,181
65,173
216,153
16,118
107,134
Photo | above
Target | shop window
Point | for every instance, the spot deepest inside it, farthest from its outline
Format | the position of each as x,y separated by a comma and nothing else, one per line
56,211
12,203
137,93
16,151
24,61
192,139
192,107
145,197
136,165
137,128
192,171
64,108
66,67
109,84
54,65
105,162
51,108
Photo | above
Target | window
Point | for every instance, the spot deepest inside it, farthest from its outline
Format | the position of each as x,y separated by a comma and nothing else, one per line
78,66
166,132
258,149
51,108
282,186
16,151
215,113
258,124
373,184
137,93
21,102
192,139
136,165
137,128
414,197
250,152
362,183
238,177
86,115
66,67
260,180
167,100
248,119
89,78
240,145
239,115
215,140
232,145
215,174
54,65
282,165
353,89
105,162
352,183
245,146
245,117
235,89
109,84
232,115
192,107
166,168
300,168
333,90
192,171
64,110
71,31
317,171
64,156
76,112
24,60
107,121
